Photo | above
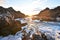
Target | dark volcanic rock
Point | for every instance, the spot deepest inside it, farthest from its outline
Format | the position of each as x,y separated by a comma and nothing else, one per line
50,14
7,23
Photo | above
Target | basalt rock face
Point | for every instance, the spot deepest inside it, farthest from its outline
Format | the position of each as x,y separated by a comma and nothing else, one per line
50,14
7,23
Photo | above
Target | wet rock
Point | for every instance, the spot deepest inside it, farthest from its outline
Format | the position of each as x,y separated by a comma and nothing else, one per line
44,36
8,25
36,37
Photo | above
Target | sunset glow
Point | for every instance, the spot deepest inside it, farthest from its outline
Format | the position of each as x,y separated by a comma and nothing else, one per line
29,7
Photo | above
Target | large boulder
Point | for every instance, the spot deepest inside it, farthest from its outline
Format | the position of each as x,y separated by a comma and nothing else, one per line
8,24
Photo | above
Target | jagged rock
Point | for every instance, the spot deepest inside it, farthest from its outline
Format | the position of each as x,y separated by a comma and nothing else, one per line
50,14
38,37
16,14
7,23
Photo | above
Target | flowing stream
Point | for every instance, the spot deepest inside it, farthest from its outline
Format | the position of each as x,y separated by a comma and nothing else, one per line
50,29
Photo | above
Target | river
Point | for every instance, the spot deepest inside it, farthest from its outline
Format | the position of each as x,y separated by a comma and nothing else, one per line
50,29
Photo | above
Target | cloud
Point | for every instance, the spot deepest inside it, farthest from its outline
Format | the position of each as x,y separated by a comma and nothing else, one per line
27,7
2,2
37,9
39,3
36,2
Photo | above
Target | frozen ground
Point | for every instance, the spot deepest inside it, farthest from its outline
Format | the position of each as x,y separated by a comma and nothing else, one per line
50,29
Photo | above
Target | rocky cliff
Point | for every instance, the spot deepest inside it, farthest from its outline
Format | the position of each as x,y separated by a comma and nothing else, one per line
50,14
7,23
16,14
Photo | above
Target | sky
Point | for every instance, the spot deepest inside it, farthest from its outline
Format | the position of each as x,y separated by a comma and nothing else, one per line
30,7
